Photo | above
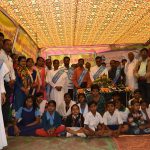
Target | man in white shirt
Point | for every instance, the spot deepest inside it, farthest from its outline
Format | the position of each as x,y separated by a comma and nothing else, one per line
131,81
69,71
9,78
3,71
98,70
57,78
142,73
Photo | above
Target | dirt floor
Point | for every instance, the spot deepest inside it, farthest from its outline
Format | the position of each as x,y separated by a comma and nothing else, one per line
75,143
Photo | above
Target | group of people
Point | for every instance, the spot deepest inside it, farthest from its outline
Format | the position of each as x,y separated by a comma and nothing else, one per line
45,100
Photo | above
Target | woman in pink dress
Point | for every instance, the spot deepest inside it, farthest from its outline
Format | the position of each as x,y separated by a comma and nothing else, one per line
40,68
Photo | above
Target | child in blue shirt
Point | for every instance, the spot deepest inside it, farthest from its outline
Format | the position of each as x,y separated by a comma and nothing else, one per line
30,119
51,122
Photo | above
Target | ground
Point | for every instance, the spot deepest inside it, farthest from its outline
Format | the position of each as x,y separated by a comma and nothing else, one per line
38,143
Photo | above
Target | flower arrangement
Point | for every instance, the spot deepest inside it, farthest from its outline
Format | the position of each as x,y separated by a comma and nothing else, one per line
103,81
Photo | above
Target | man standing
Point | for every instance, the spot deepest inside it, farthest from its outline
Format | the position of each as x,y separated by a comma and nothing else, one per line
3,71
115,73
99,69
131,81
48,86
81,77
69,71
9,78
142,73
57,78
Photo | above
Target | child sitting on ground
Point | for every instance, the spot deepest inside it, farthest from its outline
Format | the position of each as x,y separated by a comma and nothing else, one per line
30,119
75,122
136,120
145,112
65,108
124,112
112,119
41,102
93,124
82,104
136,97
51,122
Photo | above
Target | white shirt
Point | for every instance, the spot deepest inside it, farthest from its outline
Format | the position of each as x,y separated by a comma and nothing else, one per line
142,69
131,81
93,121
148,113
69,81
95,69
62,108
86,110
114,119
42,107
9,63
3,71
124,114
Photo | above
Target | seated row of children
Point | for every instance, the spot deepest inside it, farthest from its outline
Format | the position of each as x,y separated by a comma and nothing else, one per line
41,118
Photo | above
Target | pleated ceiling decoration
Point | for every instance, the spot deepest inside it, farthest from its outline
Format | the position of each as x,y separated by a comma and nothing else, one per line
53,23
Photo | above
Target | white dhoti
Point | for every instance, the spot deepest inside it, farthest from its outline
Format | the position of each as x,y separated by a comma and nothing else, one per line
3,140
131,81
56,95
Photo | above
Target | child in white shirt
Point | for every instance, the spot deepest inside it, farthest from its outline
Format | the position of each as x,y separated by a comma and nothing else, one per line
145,112
93,123
124,112
65,108
41,102
112,119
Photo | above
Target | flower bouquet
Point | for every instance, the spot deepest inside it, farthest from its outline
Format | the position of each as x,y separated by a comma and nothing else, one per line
103,81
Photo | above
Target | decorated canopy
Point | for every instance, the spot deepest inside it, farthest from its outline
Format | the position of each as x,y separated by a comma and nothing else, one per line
62,23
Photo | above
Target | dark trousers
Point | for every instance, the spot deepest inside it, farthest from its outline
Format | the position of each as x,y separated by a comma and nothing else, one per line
6,106
70,91
145,90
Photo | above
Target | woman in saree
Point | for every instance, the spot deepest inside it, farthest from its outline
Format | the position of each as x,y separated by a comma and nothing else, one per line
22,84
33,76
40,68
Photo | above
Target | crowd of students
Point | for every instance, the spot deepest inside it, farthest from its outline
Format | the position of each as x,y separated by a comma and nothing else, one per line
43,100
82,118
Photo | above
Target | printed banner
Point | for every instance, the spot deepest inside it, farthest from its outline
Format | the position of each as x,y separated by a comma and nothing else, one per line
7,27
25,46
